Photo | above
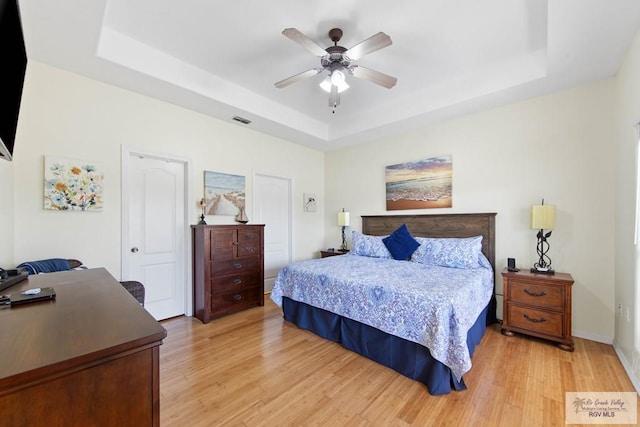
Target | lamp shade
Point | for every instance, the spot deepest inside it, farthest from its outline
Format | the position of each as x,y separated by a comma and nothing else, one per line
543,217
343,219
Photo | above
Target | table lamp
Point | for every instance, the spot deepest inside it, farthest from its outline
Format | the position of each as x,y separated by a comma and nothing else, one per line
543,217
343,221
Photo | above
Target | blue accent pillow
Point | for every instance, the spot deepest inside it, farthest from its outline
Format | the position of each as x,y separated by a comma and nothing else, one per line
401,243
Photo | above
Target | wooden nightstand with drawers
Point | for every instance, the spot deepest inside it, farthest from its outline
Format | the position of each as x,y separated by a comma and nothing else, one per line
325,254
538,305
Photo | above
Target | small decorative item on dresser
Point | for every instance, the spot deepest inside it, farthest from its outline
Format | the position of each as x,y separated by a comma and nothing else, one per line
538,305
203,204
242,216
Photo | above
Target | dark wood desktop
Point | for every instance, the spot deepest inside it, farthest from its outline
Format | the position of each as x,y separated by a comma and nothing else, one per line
90,357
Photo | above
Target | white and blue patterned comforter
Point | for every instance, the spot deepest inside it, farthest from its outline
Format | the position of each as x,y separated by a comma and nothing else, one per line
431,306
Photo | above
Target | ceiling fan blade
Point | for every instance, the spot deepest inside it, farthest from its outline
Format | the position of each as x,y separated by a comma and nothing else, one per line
293,79
374,76
304,41
373,43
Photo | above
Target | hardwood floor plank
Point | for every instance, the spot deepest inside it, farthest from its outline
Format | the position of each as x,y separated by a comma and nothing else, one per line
254,369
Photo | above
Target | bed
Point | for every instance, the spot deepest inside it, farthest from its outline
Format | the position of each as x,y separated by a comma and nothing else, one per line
377,306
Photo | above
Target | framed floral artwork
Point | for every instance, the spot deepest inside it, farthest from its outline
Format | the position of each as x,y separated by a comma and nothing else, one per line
72,185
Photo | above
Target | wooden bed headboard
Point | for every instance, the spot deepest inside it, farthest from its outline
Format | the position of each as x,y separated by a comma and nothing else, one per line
438,225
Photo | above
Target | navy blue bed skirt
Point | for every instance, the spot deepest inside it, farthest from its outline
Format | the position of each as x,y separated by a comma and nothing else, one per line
405,357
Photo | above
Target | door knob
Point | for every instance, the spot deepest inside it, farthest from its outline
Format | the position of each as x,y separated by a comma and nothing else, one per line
134,249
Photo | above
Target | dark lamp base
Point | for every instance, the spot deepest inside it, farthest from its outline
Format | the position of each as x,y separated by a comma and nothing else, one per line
535,270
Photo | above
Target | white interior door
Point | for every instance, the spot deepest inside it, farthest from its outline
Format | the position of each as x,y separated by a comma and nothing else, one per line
272,207
155,243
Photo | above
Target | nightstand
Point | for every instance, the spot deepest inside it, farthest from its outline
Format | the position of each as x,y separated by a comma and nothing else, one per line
325,254
538,305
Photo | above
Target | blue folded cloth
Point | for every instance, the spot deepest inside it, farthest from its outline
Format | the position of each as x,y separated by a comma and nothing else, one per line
46,265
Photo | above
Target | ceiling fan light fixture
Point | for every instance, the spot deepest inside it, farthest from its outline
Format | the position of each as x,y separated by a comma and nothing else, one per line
337,78
325,84
329,81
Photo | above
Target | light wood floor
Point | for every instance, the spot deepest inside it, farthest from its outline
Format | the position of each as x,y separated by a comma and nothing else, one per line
254,369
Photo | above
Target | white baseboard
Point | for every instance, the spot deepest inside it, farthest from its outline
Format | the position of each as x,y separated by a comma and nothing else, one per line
627,367
593,337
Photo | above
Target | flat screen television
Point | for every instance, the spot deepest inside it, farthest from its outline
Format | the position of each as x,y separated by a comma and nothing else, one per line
13,65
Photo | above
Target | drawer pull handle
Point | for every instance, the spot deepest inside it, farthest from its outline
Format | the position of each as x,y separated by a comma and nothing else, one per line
250,249
237,281
535,294
540,320
237,297
237,265
248,235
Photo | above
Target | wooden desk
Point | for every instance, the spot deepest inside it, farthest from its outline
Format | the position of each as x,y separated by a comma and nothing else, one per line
90,357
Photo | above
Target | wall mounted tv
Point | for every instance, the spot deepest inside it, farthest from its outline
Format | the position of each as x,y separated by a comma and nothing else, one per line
13,64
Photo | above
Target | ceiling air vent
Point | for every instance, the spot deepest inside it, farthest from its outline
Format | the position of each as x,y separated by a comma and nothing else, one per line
242,120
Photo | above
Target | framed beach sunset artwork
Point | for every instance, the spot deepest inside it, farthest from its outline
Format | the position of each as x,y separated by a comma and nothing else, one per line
223,193
423,184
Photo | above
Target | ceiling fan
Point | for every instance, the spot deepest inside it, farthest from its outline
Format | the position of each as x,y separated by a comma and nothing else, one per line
338,60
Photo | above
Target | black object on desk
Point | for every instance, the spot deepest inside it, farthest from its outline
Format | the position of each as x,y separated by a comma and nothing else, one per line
32,295
12,280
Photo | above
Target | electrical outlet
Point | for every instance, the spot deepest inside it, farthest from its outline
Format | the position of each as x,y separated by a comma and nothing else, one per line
619,310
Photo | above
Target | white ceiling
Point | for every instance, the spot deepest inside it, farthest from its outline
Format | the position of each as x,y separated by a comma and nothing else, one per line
451,57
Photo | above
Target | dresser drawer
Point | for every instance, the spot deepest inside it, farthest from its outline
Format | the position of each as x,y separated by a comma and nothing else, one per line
541,321
537,294
247,248
234,282
239,265
249,236
231,301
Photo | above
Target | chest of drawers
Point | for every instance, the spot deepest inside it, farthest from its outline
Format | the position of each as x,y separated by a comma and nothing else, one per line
538,305
228,269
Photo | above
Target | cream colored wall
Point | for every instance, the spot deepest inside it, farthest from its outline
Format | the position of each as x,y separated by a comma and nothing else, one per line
67,115
504,160
628,114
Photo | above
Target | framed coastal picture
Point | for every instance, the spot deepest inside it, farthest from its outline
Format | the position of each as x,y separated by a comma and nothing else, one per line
224,194
72,185
423,184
